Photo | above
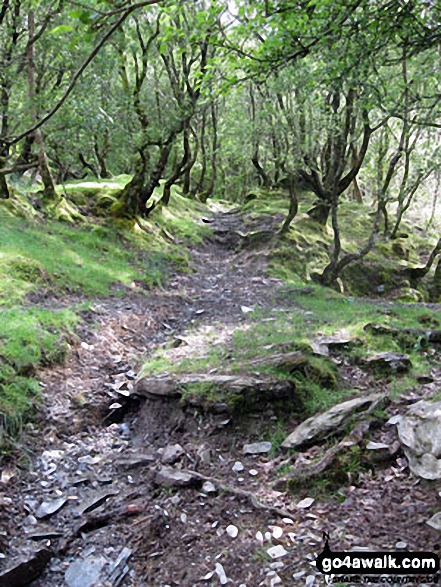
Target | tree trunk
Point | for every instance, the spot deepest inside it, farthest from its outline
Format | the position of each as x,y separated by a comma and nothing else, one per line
435,294
417,273
101,155
293,207
4,190
46,175
214,149
130,203
320,212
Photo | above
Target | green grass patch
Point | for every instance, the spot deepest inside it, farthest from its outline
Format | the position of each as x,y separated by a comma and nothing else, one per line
29,338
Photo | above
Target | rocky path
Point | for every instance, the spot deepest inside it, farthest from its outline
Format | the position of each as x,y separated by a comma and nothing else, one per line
122,492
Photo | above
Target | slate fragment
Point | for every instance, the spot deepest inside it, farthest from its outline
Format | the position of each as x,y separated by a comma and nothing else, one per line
27,570
49,508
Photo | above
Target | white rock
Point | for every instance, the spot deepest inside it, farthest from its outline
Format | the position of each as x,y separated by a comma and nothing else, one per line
221,574
253,472
277,532
238,467
310,580
305,503
208,487
184,518
435,521
401,544
259,537
419,434
277,551
376,445
287,521
246,309
232,531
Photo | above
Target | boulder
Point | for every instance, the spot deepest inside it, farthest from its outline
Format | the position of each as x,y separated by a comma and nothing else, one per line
419,432
323,425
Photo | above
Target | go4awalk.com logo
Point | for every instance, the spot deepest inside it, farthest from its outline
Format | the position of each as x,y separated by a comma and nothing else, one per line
362,565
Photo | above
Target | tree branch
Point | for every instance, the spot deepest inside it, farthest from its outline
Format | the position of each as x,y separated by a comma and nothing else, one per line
128,11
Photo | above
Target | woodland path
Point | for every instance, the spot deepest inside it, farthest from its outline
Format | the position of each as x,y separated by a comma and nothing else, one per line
105,474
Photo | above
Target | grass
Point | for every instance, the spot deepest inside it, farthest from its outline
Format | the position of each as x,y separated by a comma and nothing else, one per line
88,259
314,312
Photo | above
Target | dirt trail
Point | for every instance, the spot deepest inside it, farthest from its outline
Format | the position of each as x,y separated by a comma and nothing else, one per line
101,477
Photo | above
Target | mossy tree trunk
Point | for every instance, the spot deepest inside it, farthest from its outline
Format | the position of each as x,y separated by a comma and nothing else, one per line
417,273
293,205
49,192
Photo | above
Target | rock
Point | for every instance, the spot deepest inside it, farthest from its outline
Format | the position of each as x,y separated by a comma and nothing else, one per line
419,433
253,389
205,455
119,568
232,531
171,454
168,477
257,448
377,446
49,508
336,341
156,387
136,460
332,421
85,572
435,521
238,467
95,500
305,503
178,341
277,532
208,487
26,570
277,551
390,362
221,574
425,380
272,579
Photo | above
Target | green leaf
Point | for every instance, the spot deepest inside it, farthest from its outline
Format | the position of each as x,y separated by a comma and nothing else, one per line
61,29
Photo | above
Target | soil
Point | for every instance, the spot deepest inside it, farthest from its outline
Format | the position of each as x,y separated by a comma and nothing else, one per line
100,447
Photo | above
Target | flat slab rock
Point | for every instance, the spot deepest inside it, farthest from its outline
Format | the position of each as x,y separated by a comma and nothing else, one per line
393,362
419,433
85,573
332,421
169,477
172,387
257,448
